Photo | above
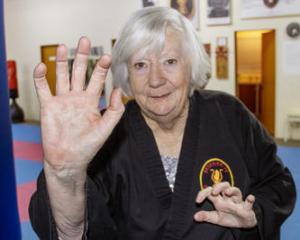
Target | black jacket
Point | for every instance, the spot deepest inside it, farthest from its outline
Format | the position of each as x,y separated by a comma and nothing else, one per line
128,196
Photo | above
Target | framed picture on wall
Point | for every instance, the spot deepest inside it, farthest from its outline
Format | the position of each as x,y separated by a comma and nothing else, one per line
222,58
188,8
218,12
148,3
269,8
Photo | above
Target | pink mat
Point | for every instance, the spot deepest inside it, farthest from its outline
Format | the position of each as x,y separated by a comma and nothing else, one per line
24,192
21,151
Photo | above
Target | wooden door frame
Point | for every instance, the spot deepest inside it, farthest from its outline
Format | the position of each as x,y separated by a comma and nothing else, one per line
47,46
271,125
43,49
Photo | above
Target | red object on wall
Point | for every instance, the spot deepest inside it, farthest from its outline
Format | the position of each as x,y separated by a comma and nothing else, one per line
16,112
12,78
12,74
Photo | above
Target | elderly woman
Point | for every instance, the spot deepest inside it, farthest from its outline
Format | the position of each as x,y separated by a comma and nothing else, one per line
179,163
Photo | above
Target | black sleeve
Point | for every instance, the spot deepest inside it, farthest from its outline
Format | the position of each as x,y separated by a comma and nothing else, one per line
270,182
40,213
98,222
103,189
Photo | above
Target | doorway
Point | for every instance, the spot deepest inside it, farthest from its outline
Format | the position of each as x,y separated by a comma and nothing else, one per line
255,73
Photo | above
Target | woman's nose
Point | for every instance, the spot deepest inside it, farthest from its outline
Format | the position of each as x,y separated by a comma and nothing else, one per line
156,78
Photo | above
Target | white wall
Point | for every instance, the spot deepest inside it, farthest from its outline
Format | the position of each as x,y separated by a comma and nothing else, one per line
32,23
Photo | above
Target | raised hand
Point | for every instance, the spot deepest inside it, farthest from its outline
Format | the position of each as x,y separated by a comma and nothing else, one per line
230,209
73,130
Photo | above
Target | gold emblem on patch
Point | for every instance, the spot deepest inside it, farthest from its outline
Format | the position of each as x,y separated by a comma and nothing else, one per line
213,171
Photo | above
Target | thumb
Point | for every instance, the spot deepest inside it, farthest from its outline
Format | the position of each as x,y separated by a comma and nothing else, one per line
112,114
116,104
41,84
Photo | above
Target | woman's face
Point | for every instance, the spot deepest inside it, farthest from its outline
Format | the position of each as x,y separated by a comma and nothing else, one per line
160,82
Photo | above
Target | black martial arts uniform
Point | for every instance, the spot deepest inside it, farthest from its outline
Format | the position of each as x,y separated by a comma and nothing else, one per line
128,196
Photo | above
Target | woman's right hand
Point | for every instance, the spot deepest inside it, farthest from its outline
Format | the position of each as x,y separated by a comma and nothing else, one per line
73,130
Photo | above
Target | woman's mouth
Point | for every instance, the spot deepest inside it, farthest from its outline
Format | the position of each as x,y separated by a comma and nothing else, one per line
160,96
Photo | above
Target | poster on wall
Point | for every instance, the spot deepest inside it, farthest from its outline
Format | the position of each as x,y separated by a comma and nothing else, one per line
188,8
269,8
222,58
218,12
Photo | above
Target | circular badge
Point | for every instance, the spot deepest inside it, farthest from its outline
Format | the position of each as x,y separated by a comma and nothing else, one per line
293,29
270,3
214,171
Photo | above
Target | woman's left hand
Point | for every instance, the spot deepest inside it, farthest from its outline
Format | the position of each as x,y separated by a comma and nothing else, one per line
230,209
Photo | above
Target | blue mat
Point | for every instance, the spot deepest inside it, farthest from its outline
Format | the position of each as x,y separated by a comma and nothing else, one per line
291,158
27,232
26,170
26,133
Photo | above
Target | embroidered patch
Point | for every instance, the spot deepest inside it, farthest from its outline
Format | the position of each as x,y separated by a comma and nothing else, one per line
213,171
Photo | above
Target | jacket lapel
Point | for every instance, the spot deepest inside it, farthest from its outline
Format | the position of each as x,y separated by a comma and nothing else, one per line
184,176
152,161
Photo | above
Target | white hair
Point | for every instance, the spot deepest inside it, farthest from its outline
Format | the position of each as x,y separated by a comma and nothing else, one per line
146,29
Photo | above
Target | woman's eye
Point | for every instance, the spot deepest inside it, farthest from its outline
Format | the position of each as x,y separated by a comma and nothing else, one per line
139,65
171,61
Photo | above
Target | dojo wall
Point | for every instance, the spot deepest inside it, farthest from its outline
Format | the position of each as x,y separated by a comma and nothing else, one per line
32,23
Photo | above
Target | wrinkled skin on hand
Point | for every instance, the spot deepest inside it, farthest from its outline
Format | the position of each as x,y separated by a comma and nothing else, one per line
73,129
230,209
